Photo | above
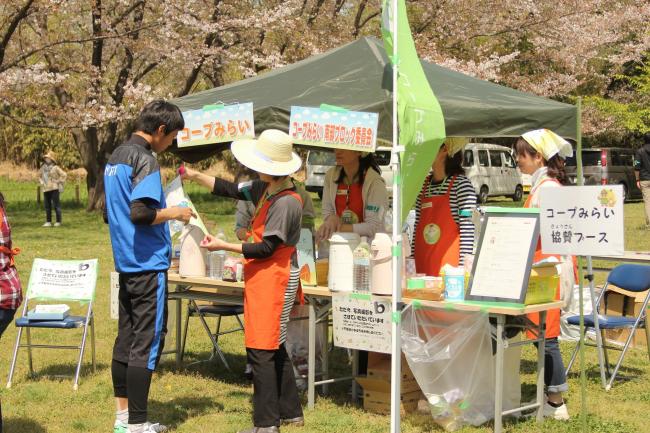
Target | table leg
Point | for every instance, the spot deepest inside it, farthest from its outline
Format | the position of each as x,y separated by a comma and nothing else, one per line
498,396
311,358
540,365
179,312
324,331
355,373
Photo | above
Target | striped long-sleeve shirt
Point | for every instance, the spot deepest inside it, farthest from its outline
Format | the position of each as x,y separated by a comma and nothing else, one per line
461,197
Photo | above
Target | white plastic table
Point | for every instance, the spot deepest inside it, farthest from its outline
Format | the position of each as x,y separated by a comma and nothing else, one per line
232,293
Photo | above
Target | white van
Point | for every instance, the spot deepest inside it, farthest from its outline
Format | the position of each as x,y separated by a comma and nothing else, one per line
319,161
492,171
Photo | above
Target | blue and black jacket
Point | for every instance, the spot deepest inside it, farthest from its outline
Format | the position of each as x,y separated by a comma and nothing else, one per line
133,174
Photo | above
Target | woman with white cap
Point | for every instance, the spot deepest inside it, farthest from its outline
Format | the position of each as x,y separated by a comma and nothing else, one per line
541,153
354,196
442,235
270,270
51,178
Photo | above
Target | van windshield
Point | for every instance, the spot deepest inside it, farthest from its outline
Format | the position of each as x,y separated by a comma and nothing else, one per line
590,158
321,157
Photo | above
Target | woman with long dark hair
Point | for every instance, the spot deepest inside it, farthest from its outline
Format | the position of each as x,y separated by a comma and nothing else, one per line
541,154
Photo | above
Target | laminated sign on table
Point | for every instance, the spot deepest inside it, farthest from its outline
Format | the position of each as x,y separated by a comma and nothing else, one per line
362,322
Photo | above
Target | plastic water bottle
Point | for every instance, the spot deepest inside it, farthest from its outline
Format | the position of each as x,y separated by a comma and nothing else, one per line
218,259
361,269
176,225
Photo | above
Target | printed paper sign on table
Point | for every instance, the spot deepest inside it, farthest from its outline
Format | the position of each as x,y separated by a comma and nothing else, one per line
63,279
217,124
361,322
338,129
582,220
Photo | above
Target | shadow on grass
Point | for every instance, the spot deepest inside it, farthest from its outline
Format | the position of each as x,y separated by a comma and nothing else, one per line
592,371
21,425
68,369
200,363
62,372
175,412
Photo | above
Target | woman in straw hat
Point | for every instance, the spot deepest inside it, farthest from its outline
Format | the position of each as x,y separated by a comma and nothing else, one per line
51,178
442,236
270,270
541,154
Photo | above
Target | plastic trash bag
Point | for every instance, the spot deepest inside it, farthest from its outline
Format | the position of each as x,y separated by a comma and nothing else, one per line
450,355
297,343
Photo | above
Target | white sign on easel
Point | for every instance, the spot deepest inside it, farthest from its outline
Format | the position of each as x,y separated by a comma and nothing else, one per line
582,220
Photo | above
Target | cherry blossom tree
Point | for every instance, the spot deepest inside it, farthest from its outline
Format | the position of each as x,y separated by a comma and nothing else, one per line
87,67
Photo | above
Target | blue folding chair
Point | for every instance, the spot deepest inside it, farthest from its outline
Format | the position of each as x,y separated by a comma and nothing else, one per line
59,280
633,278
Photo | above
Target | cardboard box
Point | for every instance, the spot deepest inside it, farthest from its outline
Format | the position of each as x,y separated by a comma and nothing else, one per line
379,402
620,302
376,385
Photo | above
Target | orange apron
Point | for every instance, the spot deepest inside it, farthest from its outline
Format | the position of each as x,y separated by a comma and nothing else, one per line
349,203
437,238
265,282
552,316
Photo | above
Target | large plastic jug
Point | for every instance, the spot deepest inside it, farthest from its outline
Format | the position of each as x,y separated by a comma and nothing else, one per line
193,258
381,267
341,261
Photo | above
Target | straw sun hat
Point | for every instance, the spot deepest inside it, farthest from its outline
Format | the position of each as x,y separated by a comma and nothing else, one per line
271,153
50,155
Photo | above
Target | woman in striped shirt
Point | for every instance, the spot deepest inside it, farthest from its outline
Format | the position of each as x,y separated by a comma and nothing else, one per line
442,235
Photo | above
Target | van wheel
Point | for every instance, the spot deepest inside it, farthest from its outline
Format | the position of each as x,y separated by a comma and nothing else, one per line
519,193
625,192
483,194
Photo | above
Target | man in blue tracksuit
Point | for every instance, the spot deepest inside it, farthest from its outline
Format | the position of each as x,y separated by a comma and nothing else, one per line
137,214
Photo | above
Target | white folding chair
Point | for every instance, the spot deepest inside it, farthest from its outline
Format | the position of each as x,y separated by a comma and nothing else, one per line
59,280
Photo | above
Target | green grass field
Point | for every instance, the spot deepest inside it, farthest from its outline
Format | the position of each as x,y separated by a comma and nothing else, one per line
207,398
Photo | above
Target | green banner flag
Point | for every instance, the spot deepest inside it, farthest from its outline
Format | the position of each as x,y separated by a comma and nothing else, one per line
421,123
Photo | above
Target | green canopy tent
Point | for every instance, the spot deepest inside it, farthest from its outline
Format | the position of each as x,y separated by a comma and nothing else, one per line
358,76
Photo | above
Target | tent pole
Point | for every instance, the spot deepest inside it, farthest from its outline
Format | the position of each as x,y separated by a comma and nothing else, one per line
590,268
396,326
581,341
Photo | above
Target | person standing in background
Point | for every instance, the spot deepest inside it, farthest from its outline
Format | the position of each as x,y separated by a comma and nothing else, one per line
52,178
642,174
11,294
